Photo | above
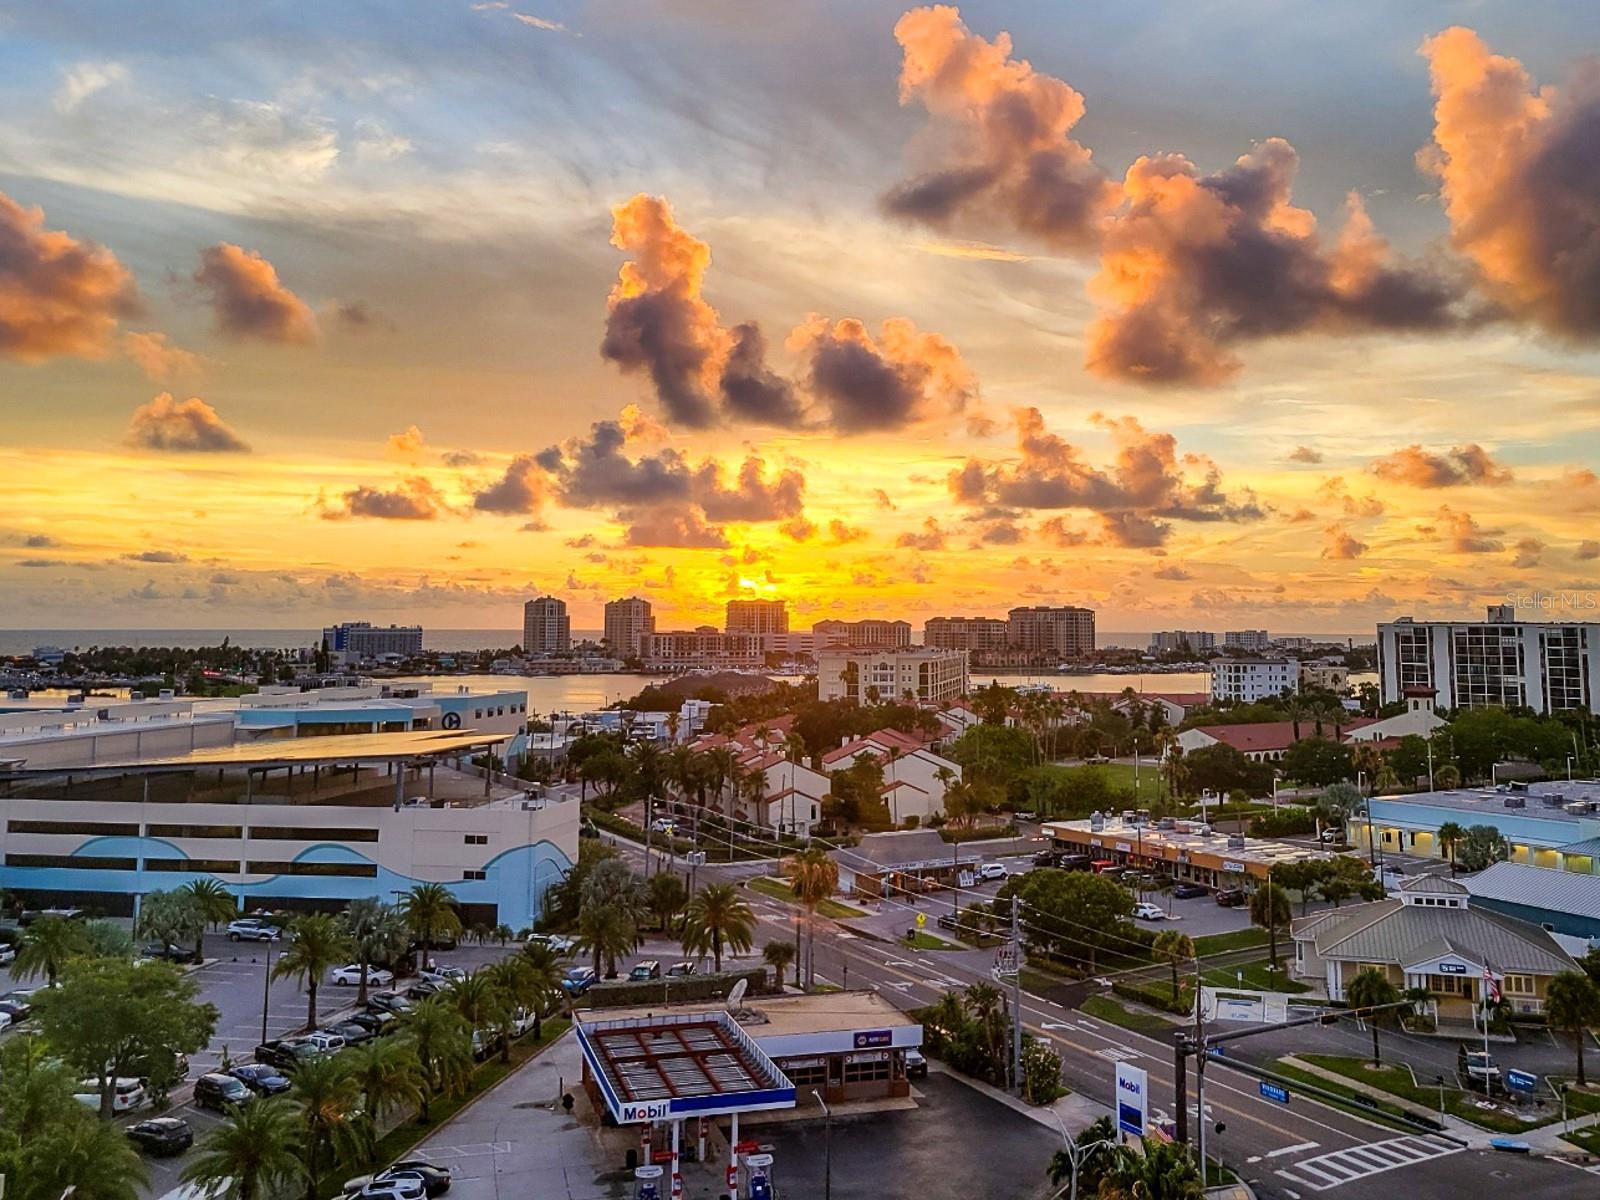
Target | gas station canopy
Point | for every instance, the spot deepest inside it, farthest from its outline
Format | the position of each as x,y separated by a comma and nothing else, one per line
666,1067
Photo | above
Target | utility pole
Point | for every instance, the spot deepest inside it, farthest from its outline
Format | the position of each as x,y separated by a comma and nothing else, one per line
1016,997
1180,1085
648,800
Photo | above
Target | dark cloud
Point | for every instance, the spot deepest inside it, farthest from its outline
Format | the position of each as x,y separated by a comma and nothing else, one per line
1146,486
751,390
1587,551
1419,468
842,534
1305,454
1172,571
930,537
1528,552
751,497
189,426
1465,536
412,499
1519,171
157,556
39,541
904,377
58,295
248,298
461,458
1007,127
522,489
682,527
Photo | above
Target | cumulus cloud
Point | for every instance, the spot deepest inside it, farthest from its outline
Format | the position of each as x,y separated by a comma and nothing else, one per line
1587,551
461,458
1004,131
159,359
39,541
58,295
522,489
903,377
842,534
1173,572
1461,465
1528,552
930,537
157,556
408,443
751,497
881,499
1146,486
248,298
1519,172
1465,536
1339,543
1305,454
798,529
1194,264
412,499
682,527
189,425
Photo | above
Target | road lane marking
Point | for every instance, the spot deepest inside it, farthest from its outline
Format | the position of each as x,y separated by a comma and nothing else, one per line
1296,1149
1328,1171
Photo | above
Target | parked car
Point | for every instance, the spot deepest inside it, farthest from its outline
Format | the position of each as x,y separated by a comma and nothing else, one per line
484,1043
253,929
1331,836
287,1053
16,1011
916,1065
1188,891
680,970
394,1187
8,952
1231,897
353,1032
422,989
436,941
989,871
162,1136
661,825
1478,1069
444,976
1045,858
169,951
1149,912
325,1040
578,981
390,1002
217,1092
648,969
126,1094
5,1020
261,1078
350,976
556,943
435,1179
378,1022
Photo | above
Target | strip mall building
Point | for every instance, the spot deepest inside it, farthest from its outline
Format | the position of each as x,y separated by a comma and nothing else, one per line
1185,850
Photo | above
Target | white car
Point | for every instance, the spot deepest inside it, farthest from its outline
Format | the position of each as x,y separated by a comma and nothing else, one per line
521,1021
324,1040
661,825
126,1094
1149,912
444,976
989,871
253,929
392,1187
7,953
557,943
350,976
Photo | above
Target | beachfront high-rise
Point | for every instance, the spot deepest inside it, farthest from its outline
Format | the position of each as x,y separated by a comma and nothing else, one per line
355,642
546,628
978,634
1046,631
758,617
628,626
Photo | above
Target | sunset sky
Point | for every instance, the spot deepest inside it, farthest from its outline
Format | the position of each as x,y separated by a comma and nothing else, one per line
1203,315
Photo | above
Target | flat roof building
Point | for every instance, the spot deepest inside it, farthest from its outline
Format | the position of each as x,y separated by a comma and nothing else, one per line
1246,680
702,649
628,623
871,633
1546,824
756,617
362,641
978,634
1052,632
546,628
1500,661
1183,849
918,673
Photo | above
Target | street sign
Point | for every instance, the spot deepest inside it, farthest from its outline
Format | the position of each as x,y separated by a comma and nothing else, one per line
1273,1092
1522,1081
1133,1099
922,919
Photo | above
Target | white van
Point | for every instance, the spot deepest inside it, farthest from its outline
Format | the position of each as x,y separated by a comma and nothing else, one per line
126,1095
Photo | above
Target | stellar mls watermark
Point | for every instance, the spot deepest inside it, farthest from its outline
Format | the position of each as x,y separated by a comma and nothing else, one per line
1557,601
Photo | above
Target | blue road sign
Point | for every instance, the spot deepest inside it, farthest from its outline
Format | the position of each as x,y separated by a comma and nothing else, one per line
1273,1092
1522,1081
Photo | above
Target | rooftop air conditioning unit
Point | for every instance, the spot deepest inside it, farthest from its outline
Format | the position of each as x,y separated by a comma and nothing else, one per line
1203,830
1166,823
1235,841
1577,807
1516,802
1555,800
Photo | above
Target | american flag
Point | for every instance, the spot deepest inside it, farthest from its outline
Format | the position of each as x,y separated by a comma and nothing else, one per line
1491,989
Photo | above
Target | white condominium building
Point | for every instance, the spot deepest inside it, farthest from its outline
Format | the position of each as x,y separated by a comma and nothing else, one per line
1246,680
628,623
1191,640
703,648
870,676
359,641
1548,667
1253,640
871,633
546,628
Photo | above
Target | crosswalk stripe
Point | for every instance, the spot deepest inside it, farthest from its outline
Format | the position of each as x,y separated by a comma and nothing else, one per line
1327,1171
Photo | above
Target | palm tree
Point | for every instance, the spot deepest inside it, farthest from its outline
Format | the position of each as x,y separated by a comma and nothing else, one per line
509,979
1295,709
605,931
47,946
1572,1003
1450,836
328,1097
1269,908
1372,989
542,977
213,904
1174,948
387,1076
503,933
778,956
481,1004
813,877
987,1004
87,1158
429,910
1165,1171
443,1045
717,916
377,933
316,946
252,1153
667,896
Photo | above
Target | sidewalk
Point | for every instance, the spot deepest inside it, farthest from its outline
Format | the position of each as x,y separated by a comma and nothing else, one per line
1068,1115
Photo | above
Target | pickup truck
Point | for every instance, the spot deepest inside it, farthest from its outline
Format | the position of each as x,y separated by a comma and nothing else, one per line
288,1053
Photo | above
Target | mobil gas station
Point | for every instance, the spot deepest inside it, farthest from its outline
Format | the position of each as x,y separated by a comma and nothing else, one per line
685,1075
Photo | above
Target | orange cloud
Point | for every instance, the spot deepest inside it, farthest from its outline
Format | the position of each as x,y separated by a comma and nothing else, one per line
58,295
1416,467
412,499
1010,126
1519,171
158,358
1339,543
248,298
1465,536
189,425
903,377
408,443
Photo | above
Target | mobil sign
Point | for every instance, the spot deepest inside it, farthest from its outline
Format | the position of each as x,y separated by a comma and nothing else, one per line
1133,1099
655,1110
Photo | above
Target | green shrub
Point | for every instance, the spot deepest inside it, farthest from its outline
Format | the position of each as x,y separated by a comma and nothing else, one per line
624,993
1283,823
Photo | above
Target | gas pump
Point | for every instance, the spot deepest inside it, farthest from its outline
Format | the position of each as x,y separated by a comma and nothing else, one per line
760,1176
648,1179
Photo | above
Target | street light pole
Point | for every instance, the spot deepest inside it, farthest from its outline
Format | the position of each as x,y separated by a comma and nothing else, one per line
827,1153
266,983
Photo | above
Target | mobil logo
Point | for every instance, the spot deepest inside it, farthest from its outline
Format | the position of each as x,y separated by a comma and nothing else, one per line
656,1110
1133,1087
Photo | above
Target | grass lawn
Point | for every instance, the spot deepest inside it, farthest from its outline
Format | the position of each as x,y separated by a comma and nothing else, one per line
1107,1009
1256,978
1584,1139
1397,1080
926,941
1355,1102
779,889
1239,939
1120,775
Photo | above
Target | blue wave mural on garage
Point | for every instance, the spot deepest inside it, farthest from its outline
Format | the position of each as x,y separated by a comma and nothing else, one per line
514,881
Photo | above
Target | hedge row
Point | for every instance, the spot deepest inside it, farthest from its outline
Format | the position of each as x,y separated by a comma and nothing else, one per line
1156,994
625,993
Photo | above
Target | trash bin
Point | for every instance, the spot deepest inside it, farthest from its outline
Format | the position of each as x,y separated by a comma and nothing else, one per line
632,1159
